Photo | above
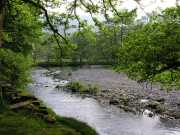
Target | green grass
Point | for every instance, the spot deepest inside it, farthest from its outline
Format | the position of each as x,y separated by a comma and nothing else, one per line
31,120
22,123
82,88
80,127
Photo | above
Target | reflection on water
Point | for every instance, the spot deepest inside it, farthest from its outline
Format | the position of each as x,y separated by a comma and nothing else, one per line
107,120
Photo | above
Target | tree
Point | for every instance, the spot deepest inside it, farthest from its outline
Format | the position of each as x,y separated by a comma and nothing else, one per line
85,41
153,49
3,8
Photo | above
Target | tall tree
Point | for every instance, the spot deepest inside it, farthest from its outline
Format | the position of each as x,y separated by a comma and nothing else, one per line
3,7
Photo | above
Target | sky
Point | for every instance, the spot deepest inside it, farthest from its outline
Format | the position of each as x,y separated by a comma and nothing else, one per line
148,5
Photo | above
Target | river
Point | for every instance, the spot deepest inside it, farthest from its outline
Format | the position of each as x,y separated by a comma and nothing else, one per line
107,120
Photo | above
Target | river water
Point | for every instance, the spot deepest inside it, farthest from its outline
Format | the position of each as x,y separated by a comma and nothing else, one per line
107,120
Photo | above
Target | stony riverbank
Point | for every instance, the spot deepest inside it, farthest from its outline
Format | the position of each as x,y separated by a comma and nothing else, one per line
23,113
117,89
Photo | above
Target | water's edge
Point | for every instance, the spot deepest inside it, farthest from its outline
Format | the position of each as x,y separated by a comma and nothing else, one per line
107,120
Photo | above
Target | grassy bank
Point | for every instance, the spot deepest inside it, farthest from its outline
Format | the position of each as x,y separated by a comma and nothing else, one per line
36,119
21,123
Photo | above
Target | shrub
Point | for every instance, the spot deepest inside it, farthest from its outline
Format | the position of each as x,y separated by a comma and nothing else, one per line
14,68
83,89
76,86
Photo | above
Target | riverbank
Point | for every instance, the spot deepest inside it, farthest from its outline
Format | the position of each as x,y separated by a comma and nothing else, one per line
117,89
26,115
106,119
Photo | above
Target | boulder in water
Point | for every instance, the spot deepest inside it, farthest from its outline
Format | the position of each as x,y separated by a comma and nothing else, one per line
148,113
113,102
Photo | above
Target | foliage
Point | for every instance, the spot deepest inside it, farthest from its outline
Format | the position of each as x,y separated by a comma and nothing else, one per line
22,123
14,68
153,50
22,28
80,127
21,31
82,88
90,44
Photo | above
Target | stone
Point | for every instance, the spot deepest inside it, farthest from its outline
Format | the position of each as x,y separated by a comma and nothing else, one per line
19,105
144,101
113,102
36,103
150,114
176,115
124,99
153,105
160,99
160,109
57,87
42,107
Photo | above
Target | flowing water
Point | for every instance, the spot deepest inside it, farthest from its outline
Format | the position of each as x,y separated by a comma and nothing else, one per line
107,120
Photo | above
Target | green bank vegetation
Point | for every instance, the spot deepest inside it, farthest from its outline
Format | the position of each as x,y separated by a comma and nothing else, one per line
23,114
83,88
24,123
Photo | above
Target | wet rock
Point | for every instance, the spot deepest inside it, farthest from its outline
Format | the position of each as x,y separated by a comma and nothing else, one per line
42,107
70,74
160,109
113,102
127,109
104,91
160,99
43,111
153,105
148,113
57,87
178,104
176,115
36,103
144,101
19,105
124,100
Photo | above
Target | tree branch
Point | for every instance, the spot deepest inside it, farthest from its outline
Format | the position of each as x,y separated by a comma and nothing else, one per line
55,31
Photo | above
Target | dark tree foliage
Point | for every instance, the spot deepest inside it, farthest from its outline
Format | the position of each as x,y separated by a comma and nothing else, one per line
154,49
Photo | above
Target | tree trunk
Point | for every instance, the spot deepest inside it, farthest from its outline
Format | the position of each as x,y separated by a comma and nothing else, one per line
2,15
1,29
60,56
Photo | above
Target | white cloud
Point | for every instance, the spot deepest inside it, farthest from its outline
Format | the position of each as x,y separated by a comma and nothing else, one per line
147,5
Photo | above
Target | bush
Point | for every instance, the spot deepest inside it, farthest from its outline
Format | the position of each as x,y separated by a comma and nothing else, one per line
76,86
14,68
83,89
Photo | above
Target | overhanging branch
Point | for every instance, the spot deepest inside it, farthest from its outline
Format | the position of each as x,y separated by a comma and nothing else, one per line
54,30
